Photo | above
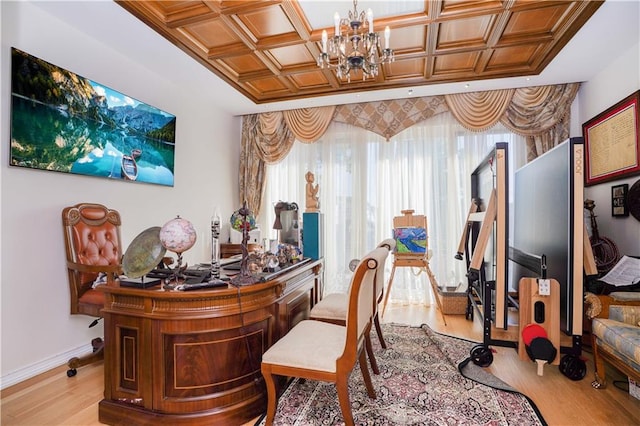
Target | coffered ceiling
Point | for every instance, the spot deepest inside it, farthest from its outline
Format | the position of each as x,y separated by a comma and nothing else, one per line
267,49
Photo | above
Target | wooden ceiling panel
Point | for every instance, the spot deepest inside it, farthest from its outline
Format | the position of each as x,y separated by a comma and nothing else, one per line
268,86
541,21
244,64
212,34
310,80
448,8
176,13
401,69
292,55
516,57
267,49
409,39
465,33
267,22
455,63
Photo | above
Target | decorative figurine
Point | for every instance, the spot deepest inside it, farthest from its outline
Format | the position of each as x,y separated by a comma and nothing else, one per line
313,205
215,245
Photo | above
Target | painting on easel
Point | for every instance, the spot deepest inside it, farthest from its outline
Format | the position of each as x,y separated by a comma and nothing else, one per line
410,240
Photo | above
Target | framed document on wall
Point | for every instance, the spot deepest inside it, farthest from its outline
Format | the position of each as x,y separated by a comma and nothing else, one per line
612,147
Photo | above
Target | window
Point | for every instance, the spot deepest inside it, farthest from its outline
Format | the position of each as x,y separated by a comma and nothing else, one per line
365,181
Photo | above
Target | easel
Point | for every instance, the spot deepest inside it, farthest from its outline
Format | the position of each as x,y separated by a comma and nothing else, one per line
464,240
417,260
486,232
487,218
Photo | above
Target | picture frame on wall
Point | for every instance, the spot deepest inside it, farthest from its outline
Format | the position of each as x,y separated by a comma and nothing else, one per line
612,144
619,207
63,122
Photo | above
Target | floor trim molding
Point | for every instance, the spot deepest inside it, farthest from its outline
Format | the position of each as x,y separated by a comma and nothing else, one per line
43,366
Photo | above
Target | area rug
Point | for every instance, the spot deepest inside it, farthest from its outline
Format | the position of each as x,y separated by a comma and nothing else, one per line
419,384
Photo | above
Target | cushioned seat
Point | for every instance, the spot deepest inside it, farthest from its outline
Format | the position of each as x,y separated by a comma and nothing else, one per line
322,352
617,340
332,307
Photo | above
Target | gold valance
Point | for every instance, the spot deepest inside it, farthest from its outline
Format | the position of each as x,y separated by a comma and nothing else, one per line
541,114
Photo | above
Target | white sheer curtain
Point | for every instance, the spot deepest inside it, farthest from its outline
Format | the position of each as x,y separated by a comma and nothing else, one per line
365,181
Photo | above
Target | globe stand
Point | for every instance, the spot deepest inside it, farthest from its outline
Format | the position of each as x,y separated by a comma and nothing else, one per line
170,283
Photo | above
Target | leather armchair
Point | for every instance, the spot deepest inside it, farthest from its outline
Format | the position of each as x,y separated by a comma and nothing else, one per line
93,246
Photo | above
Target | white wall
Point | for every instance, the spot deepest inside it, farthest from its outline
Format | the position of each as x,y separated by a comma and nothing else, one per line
619,80
37,331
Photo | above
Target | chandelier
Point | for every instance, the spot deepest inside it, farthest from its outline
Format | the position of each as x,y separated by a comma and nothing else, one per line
354,46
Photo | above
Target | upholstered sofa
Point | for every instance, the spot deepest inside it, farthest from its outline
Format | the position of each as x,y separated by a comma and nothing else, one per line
615,335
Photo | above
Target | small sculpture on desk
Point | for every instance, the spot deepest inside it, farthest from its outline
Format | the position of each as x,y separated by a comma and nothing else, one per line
215,245
313,205
244,277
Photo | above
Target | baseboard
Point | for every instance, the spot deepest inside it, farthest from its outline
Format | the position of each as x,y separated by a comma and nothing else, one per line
42,366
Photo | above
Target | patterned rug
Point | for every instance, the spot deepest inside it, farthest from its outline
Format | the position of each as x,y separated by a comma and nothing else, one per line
419,384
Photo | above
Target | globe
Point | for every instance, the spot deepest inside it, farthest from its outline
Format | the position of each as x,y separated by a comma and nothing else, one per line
178,235
143,254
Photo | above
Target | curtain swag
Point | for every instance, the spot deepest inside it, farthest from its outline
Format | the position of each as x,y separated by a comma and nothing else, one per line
309,124
541,114
479,111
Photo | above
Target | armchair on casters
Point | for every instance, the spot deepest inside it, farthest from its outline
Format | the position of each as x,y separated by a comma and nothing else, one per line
93,246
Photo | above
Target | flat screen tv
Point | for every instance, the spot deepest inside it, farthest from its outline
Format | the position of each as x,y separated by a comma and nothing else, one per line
548,221
63,122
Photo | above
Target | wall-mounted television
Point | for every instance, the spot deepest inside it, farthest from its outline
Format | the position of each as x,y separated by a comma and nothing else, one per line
64,122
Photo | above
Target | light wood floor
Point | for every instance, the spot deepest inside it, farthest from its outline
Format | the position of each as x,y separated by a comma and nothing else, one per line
54,399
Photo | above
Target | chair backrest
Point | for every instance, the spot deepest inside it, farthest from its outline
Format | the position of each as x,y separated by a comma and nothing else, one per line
390,245
92,245
360,308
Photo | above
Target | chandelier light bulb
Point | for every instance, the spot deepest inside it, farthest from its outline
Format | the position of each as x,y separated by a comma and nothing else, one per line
387,36
355,47
324,41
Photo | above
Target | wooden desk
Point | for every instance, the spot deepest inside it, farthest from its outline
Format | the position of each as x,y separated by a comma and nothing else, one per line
193,358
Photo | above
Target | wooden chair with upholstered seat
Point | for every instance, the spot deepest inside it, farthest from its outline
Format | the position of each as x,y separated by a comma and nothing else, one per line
333,307
318,350
93,246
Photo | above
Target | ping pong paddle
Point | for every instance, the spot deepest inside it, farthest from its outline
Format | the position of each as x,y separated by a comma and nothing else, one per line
541,350
532,331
